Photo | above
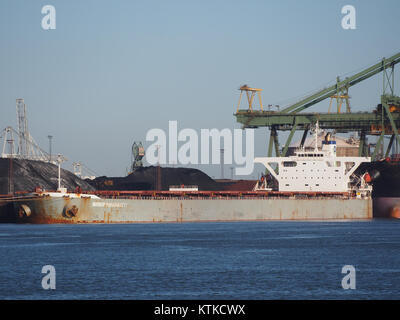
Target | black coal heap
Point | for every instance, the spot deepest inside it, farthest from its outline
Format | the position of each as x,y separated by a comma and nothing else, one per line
145,178
29,174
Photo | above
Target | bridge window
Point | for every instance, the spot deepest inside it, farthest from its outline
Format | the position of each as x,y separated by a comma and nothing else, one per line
289,163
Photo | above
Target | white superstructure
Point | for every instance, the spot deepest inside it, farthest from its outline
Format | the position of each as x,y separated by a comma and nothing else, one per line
317,170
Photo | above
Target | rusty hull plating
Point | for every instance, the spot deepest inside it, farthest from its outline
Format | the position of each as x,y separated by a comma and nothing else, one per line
150,207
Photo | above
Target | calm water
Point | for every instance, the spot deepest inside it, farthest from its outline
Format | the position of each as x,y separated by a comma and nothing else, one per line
249,260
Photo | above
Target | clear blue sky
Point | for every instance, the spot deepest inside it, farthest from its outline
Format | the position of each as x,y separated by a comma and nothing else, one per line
112,70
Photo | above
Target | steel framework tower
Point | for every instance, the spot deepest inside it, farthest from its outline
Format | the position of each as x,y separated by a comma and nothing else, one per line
26,146
23,145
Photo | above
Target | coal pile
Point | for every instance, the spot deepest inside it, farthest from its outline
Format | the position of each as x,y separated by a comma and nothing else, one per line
29,174
237,185
145,178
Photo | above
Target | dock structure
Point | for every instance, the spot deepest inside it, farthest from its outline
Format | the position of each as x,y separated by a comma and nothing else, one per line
383,121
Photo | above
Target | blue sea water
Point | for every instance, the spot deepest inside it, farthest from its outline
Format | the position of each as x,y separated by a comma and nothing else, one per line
238,260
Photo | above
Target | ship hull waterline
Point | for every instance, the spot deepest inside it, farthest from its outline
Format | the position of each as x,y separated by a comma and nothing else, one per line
82,210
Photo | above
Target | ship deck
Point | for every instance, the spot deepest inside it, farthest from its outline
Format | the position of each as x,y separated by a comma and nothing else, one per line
164,195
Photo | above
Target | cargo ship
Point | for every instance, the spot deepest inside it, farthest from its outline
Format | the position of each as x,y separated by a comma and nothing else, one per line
309,185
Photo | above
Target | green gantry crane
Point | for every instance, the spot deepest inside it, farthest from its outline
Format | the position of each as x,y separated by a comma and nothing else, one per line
385,120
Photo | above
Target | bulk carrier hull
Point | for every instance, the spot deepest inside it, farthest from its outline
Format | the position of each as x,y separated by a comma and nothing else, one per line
87,210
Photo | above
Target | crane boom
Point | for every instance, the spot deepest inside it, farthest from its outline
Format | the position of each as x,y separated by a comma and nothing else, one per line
344,84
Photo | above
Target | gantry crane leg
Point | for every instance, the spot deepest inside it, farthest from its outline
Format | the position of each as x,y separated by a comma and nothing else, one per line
378,145
392,123
389,146
289,139
361,148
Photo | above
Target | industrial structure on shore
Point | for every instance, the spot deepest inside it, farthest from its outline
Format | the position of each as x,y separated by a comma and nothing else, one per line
20,144
383,121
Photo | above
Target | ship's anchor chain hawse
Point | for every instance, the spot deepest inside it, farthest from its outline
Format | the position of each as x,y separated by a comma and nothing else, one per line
24,211
70,211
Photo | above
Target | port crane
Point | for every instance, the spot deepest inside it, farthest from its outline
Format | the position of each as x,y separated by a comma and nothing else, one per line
385,120
137,155
20,144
